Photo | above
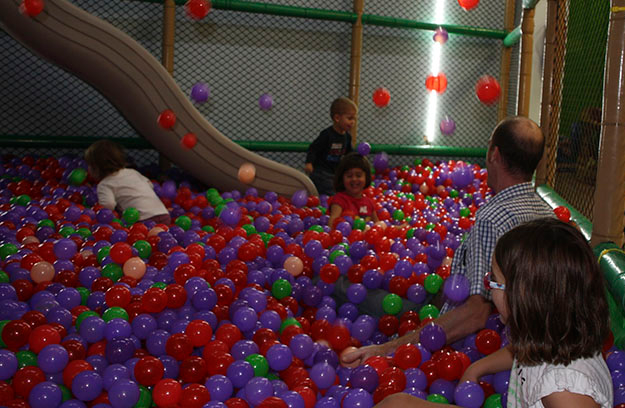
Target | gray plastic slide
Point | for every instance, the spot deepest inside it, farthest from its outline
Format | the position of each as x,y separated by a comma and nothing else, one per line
140,88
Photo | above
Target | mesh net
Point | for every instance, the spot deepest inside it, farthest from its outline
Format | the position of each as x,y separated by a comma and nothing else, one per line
302,63
582,28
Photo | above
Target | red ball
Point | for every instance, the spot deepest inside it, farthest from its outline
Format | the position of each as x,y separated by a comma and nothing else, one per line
487,89
329,273
149,370
381,97
120,252
468,4
31,8
189,141
194,396
15,334
393,375
229,334
154,300
436,83
563,213
199,332
380,364
197,9
167,119
193,369
179,346
117,295
26,378
176,295
449,367
167,393
488,341
339,337
407,356
236,402
272,402
42,336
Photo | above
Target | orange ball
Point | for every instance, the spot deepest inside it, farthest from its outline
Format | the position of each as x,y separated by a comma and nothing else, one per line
247,173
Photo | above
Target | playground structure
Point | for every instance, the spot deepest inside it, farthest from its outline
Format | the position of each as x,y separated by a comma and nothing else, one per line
605,228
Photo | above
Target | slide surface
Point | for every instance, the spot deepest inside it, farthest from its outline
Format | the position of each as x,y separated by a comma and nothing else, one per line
140,88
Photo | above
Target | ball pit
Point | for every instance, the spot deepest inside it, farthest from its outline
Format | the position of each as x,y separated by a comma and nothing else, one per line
233,304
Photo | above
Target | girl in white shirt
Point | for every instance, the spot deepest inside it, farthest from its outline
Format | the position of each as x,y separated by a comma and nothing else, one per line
120,187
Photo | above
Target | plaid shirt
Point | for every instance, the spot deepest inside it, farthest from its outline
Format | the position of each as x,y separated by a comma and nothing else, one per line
507,209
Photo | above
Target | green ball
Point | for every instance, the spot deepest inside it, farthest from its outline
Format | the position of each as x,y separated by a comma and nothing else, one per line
160,285
398,215
144,249
81,317
392,304
249,229
323,210
66,231
494,401
430,227
428,310
219,209
334,254
272,376
433,283
84,295
130,215
208,228
145,398
22,200
112,271
46,223
26,358
417,162
183,222
453,193
4,278
67,394
465,212
289,321
410,233
266,237
438,398
359,224
316,227
84,232
114,312
77,176
6,250
103,253
2,324
259,363
281,288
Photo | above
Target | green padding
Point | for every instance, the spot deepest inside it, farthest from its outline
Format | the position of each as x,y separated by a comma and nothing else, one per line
617,322
513,37
554,200
612,263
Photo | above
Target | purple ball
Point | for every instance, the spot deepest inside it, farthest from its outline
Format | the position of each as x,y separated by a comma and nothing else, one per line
52,358
87,385
323,375
124,393
432,337
8,364
364,377
240,372
279,357
501,381
265,101
299,198
380,162
220,387
456,288
363,148
469,394
447,126
258,389
200,92
443,387
45,394
462,175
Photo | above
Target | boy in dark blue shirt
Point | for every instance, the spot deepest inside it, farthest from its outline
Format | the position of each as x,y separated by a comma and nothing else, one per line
326,151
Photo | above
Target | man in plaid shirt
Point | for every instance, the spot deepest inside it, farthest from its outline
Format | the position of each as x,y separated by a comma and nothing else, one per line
514,150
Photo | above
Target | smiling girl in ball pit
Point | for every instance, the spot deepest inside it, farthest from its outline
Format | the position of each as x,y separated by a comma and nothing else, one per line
352,176
549,291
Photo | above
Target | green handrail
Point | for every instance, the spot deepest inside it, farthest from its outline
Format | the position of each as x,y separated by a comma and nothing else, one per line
554,200
513,37
345,16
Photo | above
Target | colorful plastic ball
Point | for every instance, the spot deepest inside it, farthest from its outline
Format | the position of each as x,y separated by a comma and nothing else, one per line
166,393
293,265
247,173
440,35
468,4
265,101
487,89
144,249
77,176
447,126
134,267
392,304
257,389
281,288
433,283
469,394
436,83
44,395
563,213
124,393
53,358
461,176
200,92
363,148
31,8
87,385
8,364
120,252
42,272
381,97
65,248
188,141
230,215
149,370
259,363
380,162
357,398
407,356
323,375
487,341
432,337
197,9
365,377
456,288
299,198
166,119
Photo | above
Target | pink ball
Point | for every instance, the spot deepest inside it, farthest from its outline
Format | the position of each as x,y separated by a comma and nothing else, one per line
134,267
247,173
42,271
293,265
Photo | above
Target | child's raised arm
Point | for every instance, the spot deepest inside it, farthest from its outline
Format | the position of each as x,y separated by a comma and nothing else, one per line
500,360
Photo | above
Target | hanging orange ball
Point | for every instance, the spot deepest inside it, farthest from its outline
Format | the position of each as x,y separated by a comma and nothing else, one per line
487,89
436,83
188,141
468,4
197,9
381,97
167,119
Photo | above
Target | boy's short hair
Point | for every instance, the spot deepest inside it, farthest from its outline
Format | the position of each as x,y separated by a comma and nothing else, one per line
105,157
342,105
555,293
351,160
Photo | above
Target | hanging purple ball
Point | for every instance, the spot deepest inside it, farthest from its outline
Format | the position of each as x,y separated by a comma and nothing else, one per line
200,92
364,148
440,35
265,101
447,125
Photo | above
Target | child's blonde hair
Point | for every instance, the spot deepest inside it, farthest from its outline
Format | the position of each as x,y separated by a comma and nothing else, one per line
341,106
105,157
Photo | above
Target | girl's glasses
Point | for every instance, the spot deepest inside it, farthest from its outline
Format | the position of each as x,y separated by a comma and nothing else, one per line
491,284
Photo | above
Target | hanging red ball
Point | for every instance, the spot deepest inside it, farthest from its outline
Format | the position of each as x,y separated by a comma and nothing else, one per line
167,119
31,8
197,9
468,4
487,89
189,141
381,97
436,83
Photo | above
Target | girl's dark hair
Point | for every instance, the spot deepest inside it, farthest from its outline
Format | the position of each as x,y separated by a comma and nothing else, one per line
105,157
350,161
555,293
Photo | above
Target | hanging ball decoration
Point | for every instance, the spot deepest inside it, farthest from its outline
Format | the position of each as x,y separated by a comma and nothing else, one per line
167,119
197,9
189,141
440,35
200,92
437,83
363,148
381,97
487,89
447,125
468,4
265,101
31,8
247,173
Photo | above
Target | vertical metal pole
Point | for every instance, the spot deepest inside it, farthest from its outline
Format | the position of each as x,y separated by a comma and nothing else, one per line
355,60
504,68
525,74
609,203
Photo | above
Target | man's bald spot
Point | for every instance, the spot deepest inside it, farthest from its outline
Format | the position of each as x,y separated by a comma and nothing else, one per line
521,143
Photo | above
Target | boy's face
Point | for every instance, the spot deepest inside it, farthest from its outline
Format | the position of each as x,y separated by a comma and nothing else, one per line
343,122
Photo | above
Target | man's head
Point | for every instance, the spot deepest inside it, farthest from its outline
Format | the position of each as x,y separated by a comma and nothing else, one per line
515,148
